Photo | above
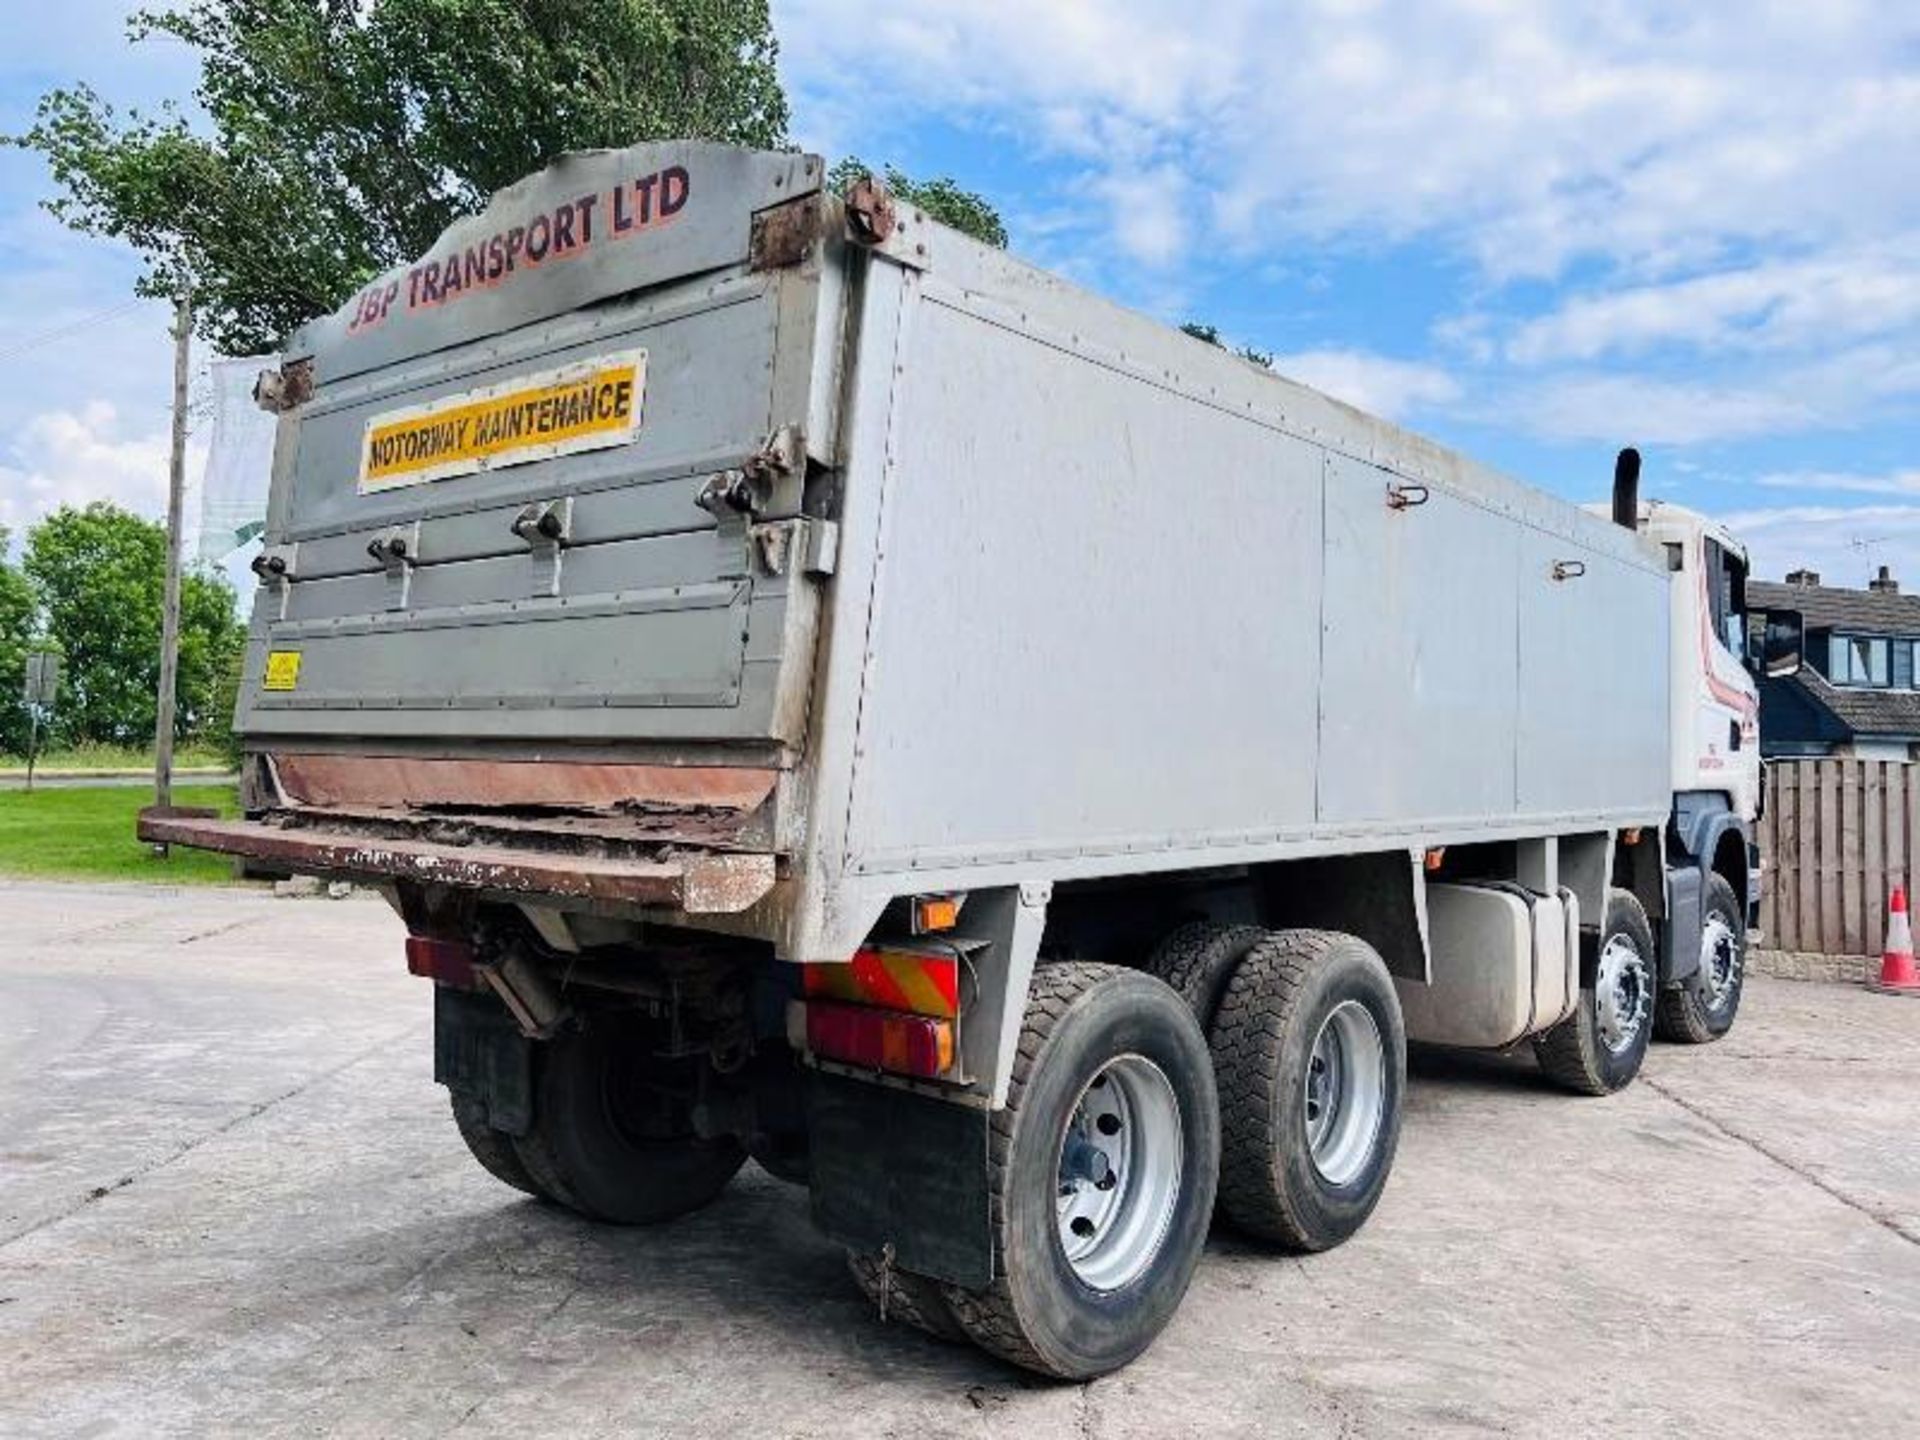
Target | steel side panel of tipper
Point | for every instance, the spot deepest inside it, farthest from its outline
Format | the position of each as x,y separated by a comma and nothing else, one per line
1137,605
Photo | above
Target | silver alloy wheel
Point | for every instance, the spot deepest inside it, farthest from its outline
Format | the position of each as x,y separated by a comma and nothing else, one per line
1622,993
1121,1165
1720,959
1346,1092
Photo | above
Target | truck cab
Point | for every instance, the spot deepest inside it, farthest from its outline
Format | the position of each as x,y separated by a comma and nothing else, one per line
1714,695
1706,892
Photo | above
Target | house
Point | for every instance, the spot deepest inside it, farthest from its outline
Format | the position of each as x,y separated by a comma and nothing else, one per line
1858,693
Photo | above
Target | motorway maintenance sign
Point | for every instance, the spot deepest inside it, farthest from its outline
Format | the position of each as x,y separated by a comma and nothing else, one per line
586,406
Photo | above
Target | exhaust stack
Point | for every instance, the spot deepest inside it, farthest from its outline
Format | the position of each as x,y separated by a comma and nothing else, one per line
1626,489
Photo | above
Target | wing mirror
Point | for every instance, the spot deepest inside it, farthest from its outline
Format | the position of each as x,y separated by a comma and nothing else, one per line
1776,643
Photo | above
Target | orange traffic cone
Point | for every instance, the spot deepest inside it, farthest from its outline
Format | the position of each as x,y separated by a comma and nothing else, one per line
1898,973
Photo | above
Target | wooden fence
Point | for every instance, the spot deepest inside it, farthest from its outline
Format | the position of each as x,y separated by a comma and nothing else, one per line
1838,835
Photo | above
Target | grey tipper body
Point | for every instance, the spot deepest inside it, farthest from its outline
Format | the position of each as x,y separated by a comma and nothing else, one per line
918,572
1104,599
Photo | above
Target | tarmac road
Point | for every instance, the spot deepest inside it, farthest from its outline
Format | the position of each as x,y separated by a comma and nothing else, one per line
231,1201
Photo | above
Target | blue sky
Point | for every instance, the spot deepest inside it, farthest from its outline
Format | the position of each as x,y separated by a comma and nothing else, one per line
1536,232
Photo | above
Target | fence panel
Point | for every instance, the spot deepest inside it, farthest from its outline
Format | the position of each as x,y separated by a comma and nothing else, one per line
1838,835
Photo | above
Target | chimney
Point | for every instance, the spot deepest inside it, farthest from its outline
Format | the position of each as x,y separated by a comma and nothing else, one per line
1884,583
1805,579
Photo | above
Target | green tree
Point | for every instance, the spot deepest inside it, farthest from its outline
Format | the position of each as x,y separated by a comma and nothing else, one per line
1211,334
99,575
17,611
942,198
345,135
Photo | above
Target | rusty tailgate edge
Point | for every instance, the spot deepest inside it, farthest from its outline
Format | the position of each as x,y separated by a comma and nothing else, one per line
694,882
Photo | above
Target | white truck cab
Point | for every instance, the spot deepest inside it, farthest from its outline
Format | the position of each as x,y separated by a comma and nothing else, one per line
1715,697
1705,894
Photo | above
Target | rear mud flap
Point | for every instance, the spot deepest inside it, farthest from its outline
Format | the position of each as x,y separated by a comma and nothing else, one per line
479,1053
891,1167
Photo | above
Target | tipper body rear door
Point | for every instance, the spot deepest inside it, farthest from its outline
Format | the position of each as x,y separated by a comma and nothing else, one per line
490,509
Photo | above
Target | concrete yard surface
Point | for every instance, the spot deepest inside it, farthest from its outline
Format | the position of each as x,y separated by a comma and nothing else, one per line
232,1201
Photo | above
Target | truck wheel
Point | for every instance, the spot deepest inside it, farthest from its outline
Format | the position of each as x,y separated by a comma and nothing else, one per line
612,1136
783,1162
1598,1049
907,1296
492,1148
1701,1007
1199,959
1312,1058
1101,1171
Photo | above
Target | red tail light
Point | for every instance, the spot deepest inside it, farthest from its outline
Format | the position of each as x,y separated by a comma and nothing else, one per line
880,1039
448,961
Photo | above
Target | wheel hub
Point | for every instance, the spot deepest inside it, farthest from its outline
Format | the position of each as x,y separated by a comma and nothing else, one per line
1120,1170
1622,992
1719,959
1345,1090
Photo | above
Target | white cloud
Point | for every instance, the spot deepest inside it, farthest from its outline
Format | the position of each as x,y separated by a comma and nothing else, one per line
1845,544
1628,408
1731,182
73,457
1903,482
1376,383
1831,299
1830,391
1524,135
1151,213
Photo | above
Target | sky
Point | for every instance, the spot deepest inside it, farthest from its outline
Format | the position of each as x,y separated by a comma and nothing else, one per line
1533,232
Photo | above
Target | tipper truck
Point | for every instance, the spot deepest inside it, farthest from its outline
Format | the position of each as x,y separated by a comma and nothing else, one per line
819,689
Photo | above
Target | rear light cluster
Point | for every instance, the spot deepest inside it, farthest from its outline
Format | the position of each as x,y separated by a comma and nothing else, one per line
880,1039
448,961
886,1009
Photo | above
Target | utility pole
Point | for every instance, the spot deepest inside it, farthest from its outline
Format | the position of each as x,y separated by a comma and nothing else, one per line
170,612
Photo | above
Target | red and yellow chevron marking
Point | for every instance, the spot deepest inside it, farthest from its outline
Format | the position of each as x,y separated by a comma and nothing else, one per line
911,980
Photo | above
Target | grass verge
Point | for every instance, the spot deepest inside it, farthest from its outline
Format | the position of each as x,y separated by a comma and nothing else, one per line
116,757
87,834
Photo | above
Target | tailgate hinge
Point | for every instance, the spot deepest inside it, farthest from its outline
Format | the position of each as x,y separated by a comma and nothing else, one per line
812,543
735,498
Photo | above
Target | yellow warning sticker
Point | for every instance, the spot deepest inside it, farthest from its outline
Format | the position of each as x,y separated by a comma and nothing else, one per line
587,406
283,670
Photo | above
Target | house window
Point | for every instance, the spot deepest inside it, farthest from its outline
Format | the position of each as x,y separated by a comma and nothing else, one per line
1861,660
1903,665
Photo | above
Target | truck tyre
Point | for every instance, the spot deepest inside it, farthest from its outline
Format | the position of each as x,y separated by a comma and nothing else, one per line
1599,1048
1701,1007
1101,1174
783,1162
1199,959
492,1148
610,1137
902,1295
1311,1055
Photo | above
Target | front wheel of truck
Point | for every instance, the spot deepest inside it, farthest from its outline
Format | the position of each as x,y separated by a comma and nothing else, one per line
1600,1047
1701,1007
612,1134
1101,1170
